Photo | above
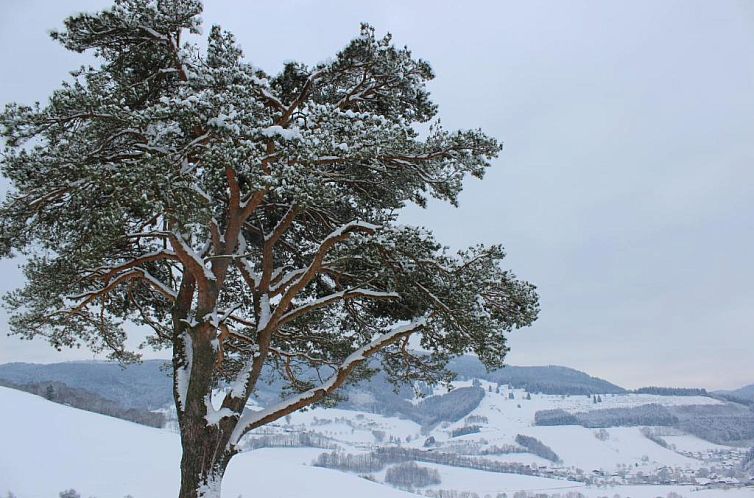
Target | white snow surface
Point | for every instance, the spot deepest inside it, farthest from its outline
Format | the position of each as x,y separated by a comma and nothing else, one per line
106,457
47,448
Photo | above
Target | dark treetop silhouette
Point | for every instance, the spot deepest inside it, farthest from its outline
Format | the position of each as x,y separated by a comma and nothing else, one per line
248,220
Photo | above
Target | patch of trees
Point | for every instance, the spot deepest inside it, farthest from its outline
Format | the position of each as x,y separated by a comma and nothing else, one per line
651,414
570,494
450,407
368,462
462,446
537,447
672,391
476,419
384,456
503,449
555,417
721,424
451,493
602,435
652,435
396,454
466,429
410,475
290,440
387,399
59,392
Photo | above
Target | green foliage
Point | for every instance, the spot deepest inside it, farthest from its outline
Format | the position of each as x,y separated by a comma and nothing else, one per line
148,190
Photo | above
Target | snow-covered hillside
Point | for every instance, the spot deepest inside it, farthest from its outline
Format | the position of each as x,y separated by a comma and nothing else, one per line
49,447
509,413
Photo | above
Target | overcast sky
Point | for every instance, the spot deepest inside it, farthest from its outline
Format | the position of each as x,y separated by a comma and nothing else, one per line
625,190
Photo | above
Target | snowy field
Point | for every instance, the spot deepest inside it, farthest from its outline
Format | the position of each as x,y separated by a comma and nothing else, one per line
577,446
49,447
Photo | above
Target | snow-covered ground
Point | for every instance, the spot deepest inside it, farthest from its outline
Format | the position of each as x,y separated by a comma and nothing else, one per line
46,448
577,446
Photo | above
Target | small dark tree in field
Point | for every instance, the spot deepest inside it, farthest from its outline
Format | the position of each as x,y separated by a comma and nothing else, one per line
50,392
249,220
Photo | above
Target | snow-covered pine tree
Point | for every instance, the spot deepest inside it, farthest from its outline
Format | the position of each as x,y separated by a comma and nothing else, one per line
248,220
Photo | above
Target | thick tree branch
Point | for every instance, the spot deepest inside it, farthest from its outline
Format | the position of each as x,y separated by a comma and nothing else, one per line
111,271
252,420
344,295
303,279
134,273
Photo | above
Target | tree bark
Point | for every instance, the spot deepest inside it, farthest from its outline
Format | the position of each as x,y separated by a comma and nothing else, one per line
203,462
206,452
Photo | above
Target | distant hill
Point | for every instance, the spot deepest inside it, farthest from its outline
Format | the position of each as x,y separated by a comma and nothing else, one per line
148,385
142,386
546,380
61,393
744,393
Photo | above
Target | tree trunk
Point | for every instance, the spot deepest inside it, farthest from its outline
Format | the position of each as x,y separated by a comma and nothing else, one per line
206,452
202,467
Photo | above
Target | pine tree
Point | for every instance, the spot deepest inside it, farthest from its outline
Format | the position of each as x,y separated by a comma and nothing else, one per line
248,220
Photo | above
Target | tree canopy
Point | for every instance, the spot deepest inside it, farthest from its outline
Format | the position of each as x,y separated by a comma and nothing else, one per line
249,220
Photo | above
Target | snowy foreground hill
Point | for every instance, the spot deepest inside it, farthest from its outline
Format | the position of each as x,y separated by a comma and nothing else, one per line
47,448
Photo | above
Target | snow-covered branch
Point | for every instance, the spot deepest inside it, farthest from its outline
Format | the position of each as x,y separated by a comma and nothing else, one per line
300,99
335,297
131,274
339,234
158,285
302,280
193,262
111,271
268,260
252,419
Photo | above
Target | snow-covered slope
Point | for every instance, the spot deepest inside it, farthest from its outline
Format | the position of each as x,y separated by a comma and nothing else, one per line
577,446
46,448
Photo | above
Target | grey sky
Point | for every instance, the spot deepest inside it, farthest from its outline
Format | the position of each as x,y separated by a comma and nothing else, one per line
626,187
